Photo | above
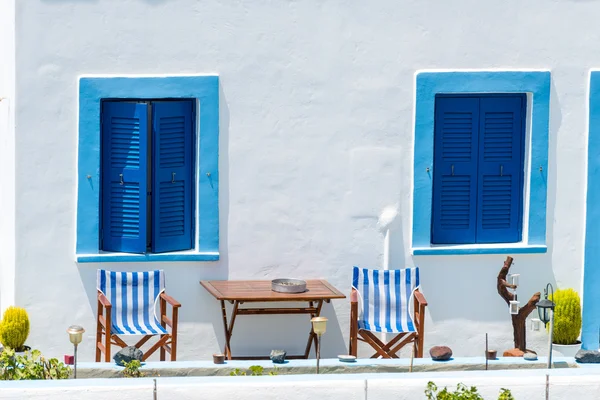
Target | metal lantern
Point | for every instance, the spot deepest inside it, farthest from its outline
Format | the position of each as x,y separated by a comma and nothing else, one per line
319,327
546,307
546,312
75,336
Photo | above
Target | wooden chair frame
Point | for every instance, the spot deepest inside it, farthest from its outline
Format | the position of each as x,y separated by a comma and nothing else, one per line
389,349
166,342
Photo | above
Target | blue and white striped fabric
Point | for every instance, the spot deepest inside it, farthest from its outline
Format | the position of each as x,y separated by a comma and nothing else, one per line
385,297
133,296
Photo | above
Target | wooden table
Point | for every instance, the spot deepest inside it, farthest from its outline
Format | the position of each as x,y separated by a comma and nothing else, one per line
240,292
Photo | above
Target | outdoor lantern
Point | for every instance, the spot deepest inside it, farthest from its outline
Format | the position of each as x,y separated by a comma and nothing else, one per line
546,312
319,325
514,307
545,307
515,279
75,336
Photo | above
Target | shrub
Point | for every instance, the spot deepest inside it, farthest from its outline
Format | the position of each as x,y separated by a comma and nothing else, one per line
30,366
132,369
254,370
567,316
462,393
14,328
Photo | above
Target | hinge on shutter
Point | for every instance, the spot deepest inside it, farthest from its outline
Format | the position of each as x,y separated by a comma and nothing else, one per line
101,239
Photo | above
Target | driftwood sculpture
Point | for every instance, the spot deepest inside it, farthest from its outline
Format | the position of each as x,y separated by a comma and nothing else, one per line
518,320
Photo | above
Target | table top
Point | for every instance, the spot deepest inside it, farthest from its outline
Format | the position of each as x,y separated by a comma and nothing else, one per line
260,290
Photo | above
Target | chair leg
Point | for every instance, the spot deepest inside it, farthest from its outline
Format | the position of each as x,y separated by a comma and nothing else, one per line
353,346
174,334
107,335
98,331
163,313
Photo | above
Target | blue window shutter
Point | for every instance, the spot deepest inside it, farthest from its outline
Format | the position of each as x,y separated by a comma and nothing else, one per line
500,181
455,170
124,176
173,131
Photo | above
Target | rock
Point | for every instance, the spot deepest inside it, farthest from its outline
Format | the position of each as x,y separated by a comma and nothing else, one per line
278,356
440,353
128,354
588,356
530,356
513,353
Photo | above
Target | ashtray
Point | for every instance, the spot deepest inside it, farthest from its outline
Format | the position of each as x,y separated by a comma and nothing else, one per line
346,358
288,285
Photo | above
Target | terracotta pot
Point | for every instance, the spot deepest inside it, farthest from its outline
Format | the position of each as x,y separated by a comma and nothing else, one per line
219,358
490,354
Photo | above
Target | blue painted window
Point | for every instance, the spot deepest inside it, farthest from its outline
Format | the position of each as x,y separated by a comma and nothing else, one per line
147,176
478,169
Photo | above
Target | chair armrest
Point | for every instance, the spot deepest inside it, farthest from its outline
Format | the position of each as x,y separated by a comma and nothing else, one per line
170,300
420,298
103,300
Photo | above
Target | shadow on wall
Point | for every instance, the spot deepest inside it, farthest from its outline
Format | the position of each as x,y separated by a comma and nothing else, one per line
464,287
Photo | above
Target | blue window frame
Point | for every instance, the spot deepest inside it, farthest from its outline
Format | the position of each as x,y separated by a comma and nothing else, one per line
536,86
478,168
203,90
147,171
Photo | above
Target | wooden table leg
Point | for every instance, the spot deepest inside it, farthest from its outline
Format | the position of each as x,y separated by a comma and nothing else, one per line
227,350
312,336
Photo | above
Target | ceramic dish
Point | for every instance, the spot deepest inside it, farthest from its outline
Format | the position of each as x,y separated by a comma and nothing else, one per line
346,358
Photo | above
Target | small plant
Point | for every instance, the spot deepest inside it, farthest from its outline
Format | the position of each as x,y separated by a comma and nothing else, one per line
14,328
567,316
254,370
505,394
462,393
132,369
32,365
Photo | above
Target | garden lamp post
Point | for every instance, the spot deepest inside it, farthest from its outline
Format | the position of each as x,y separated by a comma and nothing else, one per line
319,325
546,312
75,336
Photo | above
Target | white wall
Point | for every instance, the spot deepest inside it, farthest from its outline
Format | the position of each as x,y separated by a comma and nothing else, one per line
529,385
314,95
7,153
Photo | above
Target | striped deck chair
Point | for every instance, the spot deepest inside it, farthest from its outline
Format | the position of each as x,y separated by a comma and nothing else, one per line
126,306
385,298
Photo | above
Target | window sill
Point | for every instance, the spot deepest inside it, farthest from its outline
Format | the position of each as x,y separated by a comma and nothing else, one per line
129,257
500,248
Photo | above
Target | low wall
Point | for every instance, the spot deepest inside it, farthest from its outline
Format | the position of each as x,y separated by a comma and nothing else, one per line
328,366
574,383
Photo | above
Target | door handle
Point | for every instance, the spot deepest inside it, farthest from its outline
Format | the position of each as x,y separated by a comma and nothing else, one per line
121,177
452,169
172,177
501,169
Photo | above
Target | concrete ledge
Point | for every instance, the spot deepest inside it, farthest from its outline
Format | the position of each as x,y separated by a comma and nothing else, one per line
327,366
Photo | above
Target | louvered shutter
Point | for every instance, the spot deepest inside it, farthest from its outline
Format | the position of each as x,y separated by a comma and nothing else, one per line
455,170
172,129
124,176
500,181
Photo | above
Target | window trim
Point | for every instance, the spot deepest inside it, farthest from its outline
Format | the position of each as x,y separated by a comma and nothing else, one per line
428,84
205,90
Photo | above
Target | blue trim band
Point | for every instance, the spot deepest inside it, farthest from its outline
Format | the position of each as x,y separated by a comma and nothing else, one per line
91,91
590,335
428,84
433,251
121,257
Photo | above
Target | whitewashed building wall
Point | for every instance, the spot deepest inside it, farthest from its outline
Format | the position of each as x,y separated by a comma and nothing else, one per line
317,120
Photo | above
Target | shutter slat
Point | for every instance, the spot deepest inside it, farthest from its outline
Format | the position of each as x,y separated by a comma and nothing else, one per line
172,206
500,187
124,151
454,172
